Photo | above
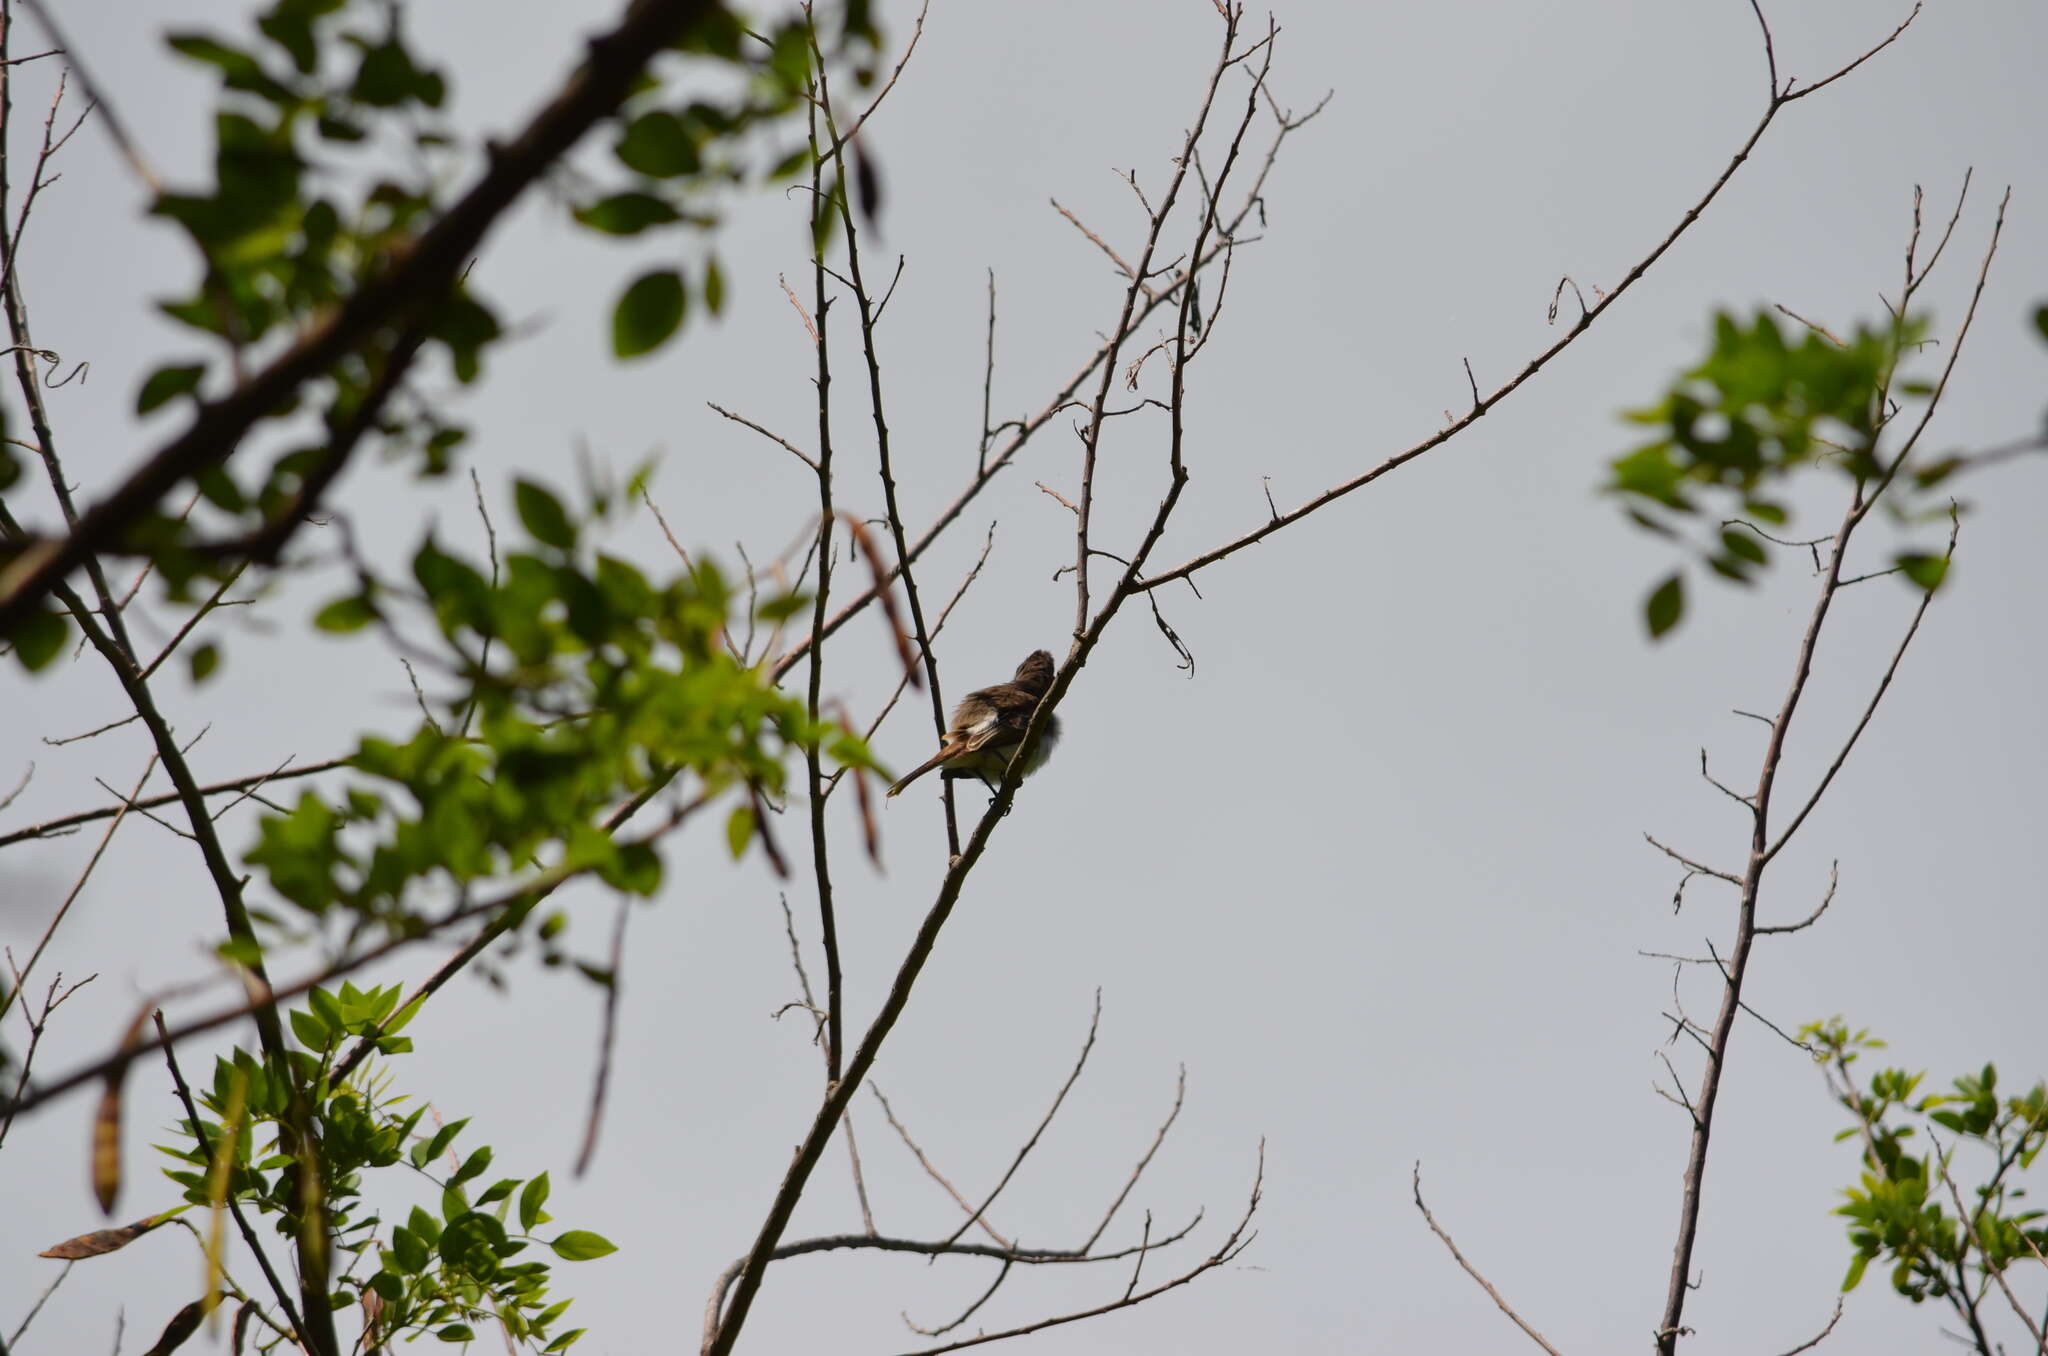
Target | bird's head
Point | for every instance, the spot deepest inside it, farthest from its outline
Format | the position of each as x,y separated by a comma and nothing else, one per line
1035,672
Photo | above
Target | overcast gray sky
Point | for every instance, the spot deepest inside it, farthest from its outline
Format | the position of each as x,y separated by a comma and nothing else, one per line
1375,874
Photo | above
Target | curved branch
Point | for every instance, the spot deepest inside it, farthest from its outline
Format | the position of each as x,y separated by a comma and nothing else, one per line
1541,360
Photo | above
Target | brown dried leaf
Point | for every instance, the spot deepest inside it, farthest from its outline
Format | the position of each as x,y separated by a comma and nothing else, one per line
182,1325
100,1242
106,1143
906,653
106,1123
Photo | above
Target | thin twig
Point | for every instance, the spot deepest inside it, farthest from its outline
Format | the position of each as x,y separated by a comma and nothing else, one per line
1988,1265
1097,240
1834,875
1863,722
52,827
37,1307
1810,1343
21,975
1697,868
1094,1023
1471,1270
932,1172
1541,360
1180,1089
776,438
503,911
614,982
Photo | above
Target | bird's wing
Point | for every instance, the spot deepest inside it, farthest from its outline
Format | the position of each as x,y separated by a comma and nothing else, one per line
1000,715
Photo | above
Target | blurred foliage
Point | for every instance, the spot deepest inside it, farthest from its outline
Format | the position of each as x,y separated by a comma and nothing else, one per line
578,682
1900,1211
567,681
1732,434
335,149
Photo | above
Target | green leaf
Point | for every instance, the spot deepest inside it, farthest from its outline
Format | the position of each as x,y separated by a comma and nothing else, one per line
497,1191
1666,604
311,1031
411,1250
238,69
627,213
658,145
530,1202
1926,571
648,314
455,1332
37,639
782,609
387,78
1850,1281
714,287
167,384
1745,546
580,1245
442,1138
636,869
220,489
2041,320
563,1342
544,516
352,613
739,829
204,661
473,1166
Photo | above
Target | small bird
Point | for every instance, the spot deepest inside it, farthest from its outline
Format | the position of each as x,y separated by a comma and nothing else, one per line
988,726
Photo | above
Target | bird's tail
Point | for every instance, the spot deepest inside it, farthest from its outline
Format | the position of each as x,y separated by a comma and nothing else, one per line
950,751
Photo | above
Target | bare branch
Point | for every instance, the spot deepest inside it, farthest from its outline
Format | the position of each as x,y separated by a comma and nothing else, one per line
1236,1243
54,827
1180,1089
1863,722
1094,1022
776,438
1471,1270
613,982
1834,875
977,1218
1542,359
1810,1343
1097,240
970,1310
1689,864
21,975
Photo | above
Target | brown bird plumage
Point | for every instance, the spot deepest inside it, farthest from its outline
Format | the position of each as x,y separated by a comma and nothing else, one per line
988,725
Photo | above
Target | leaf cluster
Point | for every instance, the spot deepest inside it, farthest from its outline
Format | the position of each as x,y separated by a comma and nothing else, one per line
579,682
1731,434
1898,1210
441,1271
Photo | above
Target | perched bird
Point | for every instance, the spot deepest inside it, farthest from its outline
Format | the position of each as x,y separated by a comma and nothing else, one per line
988,726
